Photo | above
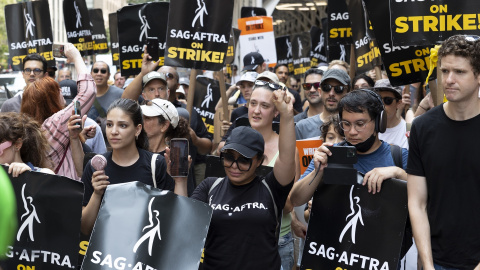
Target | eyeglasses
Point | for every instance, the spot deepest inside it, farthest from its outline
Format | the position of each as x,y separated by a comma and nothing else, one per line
388,100
36,71
170,76
243,164
4,146
308,86
272,86
103,70
150,103
359,125
338,89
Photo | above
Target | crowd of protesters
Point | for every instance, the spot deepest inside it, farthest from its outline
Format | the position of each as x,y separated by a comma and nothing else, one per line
132,125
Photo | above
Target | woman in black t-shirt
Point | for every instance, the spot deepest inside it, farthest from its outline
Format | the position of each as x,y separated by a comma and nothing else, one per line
128,161
243,232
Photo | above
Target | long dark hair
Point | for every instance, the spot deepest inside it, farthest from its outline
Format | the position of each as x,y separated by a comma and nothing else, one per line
132,109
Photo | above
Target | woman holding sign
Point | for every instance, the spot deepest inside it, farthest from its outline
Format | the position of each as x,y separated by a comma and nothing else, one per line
245,224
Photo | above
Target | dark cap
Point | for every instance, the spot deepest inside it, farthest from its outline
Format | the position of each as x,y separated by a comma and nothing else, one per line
69,90
246,141
337,74
385,85
252,60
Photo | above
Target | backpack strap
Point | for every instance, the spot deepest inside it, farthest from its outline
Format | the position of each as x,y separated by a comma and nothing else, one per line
397,155
277,229
100,110
218,181
153,165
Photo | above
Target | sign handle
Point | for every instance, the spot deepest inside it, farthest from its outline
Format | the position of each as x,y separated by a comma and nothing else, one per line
191,91
407,91
436,88
353,64
223,94
378,73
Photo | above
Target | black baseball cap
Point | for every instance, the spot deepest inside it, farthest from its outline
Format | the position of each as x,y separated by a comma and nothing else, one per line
246,141
69,90
252,60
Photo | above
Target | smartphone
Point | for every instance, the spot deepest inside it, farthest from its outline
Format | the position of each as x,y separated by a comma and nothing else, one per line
59,50
342,155
153,48
179,157
78,111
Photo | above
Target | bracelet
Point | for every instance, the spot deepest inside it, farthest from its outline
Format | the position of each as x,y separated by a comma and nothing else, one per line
422,107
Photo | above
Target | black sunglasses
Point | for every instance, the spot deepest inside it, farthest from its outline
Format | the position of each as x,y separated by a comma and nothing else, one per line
272,86
338,89
388,100
243,164
103,71
308,86
36,71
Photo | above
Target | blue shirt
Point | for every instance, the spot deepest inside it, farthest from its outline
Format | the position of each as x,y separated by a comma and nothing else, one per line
382,157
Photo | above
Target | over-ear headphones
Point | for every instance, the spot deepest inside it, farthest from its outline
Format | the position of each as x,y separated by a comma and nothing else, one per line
381,119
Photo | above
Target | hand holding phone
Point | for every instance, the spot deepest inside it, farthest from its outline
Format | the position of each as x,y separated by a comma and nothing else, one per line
179,157
153,48
77,111
59,50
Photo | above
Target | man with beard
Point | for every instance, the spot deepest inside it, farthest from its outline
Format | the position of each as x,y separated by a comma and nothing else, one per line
334,85
313,77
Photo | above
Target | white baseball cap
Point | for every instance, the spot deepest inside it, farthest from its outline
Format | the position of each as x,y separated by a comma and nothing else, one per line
157,107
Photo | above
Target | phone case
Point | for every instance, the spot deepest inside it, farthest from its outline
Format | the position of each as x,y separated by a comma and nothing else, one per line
179,157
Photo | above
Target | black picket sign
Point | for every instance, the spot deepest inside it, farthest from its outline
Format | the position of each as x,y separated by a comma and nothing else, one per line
28,31
140,227
283,45
339,28
49,210
78,25
350,228
113,23
199,38
318,53
100,43
252,12
301,47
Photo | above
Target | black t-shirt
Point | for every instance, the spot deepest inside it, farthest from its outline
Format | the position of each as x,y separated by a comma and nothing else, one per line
242,233
297,105
444,151
140,171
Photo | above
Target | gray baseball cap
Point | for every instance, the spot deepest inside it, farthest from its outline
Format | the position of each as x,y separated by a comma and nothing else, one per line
385,85
153,75
337,74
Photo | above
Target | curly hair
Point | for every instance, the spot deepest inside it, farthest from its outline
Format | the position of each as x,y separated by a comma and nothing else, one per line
464,46
181,131
19,126
332,120
41,99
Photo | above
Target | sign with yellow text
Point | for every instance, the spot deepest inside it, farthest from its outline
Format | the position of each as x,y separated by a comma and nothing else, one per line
339,28
112,23
28,31
306,150
283,45
404,64
136,23
100,43
198,38
78,25
318,52
301,47
257,36
430,22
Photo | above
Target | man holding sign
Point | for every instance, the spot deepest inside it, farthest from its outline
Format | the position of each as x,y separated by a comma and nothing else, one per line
444,200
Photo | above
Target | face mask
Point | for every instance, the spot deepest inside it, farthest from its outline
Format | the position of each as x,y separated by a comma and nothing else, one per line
365,145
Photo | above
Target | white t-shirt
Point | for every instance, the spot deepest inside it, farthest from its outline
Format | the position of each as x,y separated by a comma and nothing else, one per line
396,135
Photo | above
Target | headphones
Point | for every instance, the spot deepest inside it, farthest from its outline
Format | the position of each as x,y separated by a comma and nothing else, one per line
381,119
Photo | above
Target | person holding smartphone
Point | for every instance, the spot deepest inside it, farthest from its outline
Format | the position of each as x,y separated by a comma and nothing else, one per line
244,230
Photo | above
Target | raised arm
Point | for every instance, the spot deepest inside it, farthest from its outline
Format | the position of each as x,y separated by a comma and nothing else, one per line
417,207
284,168
134,89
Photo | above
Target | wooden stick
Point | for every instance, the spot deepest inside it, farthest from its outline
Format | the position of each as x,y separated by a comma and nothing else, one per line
353,63
223,95
378,73
191,91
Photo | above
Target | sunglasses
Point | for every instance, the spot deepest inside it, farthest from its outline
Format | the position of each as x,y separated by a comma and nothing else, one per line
388,100
338,89
170,75
103,71
243,164
36,71
272,86
308,86
150,103
4,146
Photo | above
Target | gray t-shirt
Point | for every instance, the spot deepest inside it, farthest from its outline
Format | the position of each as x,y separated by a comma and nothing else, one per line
13,104
308,128
113,93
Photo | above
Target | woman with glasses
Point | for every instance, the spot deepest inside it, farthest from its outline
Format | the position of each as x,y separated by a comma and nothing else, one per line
23,145
43,101
245,224
129,160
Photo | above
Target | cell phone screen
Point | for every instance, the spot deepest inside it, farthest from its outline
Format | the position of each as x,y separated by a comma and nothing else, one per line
179,157
58,50
152,48
78,111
